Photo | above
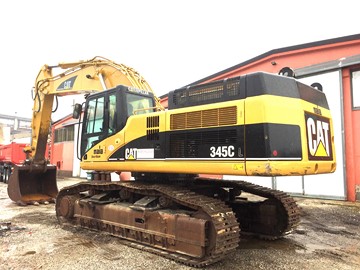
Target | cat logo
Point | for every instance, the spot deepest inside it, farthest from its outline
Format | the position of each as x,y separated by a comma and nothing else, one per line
318,137
67,85
131,153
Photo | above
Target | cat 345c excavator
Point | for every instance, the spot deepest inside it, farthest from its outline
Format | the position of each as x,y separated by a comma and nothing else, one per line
258,124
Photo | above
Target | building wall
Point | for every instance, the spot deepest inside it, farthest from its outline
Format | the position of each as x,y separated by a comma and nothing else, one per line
295,59
62,153
14,129
62,156
4,134
352,138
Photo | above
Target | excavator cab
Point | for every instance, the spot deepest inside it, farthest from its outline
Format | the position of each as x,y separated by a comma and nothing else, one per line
106,113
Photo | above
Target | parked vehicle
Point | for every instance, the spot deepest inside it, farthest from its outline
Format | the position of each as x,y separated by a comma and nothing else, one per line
10,155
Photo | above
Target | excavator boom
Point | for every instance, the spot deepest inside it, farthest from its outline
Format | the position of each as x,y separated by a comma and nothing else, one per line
35,181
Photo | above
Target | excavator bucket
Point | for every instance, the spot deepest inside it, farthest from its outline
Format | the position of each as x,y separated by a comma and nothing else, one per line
31,185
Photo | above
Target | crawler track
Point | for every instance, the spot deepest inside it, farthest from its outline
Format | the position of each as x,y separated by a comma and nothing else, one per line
269,219
272,217
223,236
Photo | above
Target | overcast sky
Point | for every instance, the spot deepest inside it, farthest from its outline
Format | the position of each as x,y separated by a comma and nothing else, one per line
170,43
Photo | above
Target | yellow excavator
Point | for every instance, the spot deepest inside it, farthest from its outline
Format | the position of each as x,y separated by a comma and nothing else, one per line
258,124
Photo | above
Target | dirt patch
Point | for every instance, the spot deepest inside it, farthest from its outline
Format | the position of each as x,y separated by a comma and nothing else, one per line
328,237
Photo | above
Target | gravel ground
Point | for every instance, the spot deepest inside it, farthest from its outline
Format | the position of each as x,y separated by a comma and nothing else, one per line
30,238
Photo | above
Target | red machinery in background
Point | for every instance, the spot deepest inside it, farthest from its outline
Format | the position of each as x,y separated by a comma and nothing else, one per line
10,154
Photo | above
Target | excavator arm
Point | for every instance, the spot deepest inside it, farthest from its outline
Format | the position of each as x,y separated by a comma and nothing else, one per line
35,181
90,76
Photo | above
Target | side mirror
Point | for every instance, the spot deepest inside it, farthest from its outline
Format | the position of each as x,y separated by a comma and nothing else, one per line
77,111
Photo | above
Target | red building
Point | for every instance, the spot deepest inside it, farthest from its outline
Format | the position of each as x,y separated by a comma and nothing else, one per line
335,64
63,147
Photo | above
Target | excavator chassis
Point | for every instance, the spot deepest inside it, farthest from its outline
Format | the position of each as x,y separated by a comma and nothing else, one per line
175,222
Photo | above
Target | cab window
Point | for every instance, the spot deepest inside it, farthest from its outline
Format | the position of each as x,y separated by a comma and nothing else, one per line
95,115
138,104
112,114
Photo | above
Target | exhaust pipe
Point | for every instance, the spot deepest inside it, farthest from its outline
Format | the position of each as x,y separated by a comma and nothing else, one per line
31,184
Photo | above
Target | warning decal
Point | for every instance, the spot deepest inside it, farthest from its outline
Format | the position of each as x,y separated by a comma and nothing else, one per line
318,137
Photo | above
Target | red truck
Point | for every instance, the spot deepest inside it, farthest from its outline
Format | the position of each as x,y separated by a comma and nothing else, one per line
10,154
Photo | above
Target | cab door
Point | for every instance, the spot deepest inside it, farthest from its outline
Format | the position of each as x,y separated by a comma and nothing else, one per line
102,118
